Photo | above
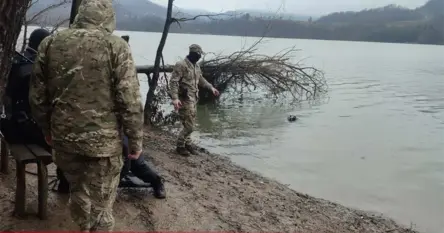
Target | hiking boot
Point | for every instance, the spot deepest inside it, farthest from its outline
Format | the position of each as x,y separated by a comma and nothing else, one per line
159,190
191,149
63,186
183,151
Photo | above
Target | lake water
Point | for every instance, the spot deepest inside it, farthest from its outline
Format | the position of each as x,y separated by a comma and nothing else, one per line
377,142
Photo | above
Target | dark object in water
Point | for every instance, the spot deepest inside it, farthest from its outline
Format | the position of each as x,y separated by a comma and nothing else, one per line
292,118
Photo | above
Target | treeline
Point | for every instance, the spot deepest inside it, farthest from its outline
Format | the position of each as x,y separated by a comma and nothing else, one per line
424,25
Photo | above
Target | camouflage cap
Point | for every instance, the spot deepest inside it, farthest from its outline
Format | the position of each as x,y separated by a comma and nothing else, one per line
196,48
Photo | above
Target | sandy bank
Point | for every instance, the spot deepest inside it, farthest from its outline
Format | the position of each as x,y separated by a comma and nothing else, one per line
205,193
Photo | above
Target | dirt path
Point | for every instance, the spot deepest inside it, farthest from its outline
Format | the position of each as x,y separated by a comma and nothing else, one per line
204,193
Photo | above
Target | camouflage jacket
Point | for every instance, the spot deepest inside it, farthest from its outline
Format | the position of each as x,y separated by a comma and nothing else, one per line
185,81
84,89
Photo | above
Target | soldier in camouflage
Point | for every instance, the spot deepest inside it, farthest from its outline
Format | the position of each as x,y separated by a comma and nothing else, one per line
185,81
83,92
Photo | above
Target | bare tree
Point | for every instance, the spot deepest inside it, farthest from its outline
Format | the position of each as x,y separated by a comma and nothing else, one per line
153,80
245,71
12,14
40,18
277,75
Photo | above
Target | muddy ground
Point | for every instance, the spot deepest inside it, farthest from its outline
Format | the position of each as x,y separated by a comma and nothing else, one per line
204,193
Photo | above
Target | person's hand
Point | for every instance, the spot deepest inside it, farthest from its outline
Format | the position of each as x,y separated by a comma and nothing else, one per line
177,104
48,139
134,155
215,91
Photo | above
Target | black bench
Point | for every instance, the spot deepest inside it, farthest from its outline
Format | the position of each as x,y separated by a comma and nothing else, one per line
23,155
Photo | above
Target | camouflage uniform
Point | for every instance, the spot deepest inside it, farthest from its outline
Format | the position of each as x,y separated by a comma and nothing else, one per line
185,81
83,91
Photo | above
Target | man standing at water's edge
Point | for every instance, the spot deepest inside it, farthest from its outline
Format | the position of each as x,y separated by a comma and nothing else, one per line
185,81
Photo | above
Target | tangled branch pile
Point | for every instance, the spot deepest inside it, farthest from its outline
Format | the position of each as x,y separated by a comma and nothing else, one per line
276,75
247,71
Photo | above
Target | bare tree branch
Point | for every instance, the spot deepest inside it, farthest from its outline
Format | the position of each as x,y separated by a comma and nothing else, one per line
246,71
32,3
35,17
209,16
50,7
277,75
58,25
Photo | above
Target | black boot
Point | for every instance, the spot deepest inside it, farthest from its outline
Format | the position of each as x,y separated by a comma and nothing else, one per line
183,151
191,149
63,186
143,170
159,190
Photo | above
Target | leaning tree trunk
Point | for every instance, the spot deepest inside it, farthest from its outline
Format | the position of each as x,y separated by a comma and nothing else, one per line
153,81
12,14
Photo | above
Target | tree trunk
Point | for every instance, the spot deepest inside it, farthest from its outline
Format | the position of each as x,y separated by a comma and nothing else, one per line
25,29
154,80
12,14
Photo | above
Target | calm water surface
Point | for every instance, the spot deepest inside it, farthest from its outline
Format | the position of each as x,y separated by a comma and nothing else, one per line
377,142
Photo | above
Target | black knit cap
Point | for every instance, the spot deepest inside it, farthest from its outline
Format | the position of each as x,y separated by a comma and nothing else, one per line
36,37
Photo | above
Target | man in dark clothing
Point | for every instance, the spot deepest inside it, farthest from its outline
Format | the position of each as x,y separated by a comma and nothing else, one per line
19,127
134,173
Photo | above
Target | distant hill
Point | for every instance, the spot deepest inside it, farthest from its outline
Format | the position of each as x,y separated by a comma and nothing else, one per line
144,8
263,14
433,8
387,14
124,9
391,23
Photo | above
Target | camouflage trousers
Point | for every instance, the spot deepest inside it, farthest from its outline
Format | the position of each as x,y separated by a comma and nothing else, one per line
93,188
187,115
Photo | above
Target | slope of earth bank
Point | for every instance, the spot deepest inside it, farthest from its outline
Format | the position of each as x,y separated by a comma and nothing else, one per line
205,192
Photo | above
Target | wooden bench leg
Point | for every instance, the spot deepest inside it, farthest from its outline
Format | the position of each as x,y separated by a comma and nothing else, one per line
20,192
4,158
43,190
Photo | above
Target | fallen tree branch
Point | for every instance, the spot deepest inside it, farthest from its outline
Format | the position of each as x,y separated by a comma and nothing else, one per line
276,75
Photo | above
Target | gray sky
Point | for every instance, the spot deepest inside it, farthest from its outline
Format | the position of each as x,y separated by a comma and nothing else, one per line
304,7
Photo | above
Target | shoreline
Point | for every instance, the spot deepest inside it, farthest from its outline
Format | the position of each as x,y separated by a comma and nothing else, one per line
205,192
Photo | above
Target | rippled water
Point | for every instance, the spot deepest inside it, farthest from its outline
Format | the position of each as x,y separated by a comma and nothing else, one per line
376,143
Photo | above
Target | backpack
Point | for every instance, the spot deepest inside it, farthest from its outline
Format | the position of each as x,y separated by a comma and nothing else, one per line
17,124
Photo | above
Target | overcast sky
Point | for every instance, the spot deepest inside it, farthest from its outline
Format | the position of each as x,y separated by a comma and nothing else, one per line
304,7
